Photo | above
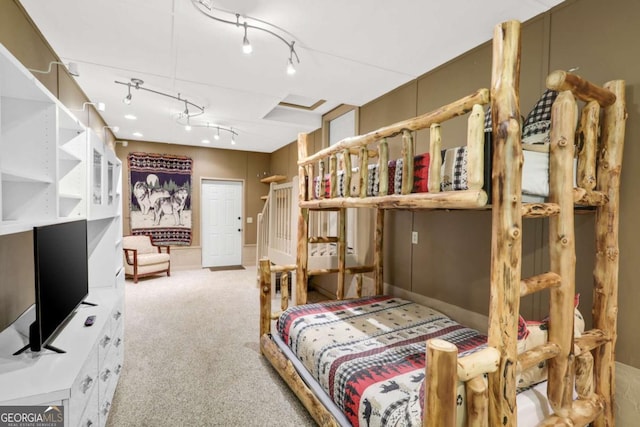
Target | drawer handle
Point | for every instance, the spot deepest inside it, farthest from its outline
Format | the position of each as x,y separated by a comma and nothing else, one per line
106,340
117,315
118,369
106,374
118,342
89,423
86,384
105,408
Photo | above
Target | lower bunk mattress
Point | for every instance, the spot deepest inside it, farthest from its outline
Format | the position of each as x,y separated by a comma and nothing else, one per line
365,358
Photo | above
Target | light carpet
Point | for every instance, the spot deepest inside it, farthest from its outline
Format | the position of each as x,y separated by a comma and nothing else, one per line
192,356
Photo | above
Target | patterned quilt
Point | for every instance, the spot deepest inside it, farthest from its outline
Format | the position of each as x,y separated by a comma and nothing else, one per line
369,354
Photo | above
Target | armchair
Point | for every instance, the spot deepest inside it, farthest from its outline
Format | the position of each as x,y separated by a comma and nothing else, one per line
143,258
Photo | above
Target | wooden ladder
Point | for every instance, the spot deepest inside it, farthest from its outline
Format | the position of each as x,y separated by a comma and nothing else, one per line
572,367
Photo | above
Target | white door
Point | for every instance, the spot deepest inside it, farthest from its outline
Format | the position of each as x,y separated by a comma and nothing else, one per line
221,223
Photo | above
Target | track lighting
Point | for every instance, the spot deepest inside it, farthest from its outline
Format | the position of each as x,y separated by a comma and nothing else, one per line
72,68
188,125
207,9
246,46
127,99
136,84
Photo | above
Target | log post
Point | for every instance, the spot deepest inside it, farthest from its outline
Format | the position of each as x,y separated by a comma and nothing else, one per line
265,296
477,402
359,285
605,303
378,252
303,228
346,160
506,242
383,168
475,148
435,158
342,220
333,176
364,171
562,252
584,375
440,387
284,290
407,162
587,144
321,179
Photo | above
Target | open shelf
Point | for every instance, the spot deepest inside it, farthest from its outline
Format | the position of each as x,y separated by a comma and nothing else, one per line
273,178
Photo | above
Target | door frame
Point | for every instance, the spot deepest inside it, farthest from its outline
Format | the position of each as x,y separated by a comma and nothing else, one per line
242,210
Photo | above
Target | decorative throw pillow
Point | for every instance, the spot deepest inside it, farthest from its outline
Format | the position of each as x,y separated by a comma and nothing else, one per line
538,122
340,184
454,169
532,334
391,168
373,181
397,181
355,182
421,173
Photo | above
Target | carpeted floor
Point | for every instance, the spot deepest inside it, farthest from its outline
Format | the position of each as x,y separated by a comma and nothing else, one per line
192,356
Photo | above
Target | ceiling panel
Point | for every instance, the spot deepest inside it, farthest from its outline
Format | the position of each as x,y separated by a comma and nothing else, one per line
350,52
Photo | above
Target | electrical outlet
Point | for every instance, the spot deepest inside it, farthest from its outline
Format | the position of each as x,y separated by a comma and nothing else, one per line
414,237
249,220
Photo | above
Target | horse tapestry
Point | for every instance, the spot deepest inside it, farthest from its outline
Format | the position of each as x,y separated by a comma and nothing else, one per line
160,201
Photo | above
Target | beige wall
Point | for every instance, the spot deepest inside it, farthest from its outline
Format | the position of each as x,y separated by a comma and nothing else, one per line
207,163
451,261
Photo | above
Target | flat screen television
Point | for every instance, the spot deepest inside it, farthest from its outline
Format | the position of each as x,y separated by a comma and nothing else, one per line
61,279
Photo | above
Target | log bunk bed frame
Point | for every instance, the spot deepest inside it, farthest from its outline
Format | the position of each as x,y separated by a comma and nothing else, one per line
582,367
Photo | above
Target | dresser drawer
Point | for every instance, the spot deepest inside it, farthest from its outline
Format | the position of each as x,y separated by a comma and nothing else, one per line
82,387
90,417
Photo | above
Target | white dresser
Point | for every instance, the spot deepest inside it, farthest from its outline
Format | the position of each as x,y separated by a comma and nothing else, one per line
83,379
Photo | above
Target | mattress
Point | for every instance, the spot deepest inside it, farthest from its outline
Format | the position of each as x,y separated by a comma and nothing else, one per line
366,358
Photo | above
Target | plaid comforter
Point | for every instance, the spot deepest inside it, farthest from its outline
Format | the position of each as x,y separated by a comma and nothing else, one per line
369,354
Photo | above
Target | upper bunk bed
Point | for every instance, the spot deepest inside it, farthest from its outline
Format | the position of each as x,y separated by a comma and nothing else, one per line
580,365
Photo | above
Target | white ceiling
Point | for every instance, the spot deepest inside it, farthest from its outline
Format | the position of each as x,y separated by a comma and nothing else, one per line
350,52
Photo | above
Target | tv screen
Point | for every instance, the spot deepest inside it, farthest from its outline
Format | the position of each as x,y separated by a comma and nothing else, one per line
61,277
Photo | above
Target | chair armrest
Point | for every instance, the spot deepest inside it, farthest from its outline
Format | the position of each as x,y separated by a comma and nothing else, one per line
128,253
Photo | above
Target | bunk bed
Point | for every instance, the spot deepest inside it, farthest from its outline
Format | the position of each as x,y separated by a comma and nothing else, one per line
458,366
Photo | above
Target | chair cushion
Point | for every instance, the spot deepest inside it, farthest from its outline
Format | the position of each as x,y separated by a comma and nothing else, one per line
150,259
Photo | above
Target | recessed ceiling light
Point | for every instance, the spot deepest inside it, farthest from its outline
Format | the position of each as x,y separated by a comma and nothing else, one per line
205,141
138,134
130,117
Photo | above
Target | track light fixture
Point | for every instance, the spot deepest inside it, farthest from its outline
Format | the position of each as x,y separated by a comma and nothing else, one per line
207,9
246,46
127,99
188,125
136,84
72,68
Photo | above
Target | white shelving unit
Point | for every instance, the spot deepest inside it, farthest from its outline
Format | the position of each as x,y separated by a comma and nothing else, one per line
52,169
